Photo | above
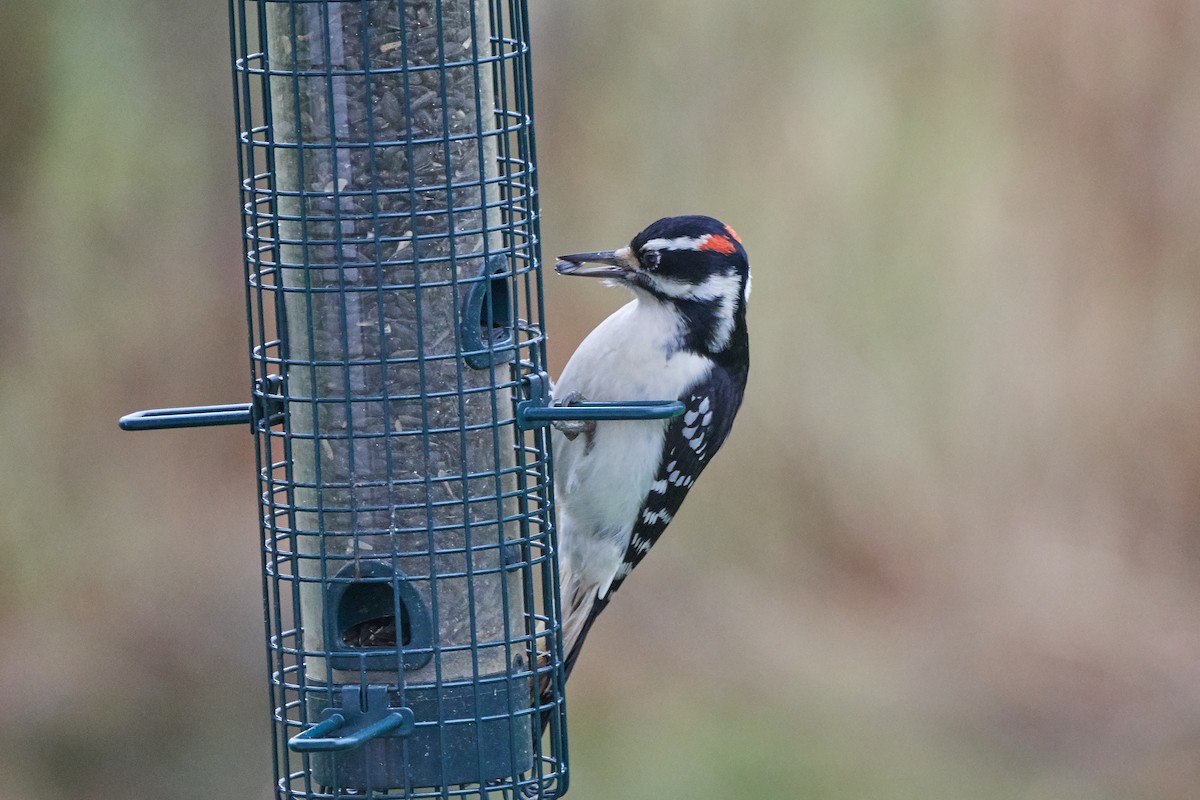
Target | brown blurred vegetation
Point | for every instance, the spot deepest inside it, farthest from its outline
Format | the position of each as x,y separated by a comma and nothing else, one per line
953,547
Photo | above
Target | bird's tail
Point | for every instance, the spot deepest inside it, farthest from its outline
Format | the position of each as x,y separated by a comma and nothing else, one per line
581,605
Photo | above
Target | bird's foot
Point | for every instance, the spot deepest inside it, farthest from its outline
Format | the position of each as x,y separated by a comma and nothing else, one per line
571,428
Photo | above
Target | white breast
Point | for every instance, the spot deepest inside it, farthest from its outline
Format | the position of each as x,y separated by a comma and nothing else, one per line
629,356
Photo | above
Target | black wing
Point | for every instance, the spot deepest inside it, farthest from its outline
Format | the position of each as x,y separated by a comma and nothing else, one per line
690,443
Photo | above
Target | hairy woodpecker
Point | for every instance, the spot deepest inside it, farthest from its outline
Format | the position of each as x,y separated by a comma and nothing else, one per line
683,336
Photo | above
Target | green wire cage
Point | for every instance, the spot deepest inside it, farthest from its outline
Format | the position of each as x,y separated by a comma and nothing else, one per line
387,162
395,304
400,399
394,307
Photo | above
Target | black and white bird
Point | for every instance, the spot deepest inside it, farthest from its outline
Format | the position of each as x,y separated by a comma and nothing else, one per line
683,336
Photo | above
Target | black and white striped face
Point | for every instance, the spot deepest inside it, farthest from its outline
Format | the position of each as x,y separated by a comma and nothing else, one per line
693,262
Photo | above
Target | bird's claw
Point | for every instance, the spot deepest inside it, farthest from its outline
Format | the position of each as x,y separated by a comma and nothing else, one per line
571,428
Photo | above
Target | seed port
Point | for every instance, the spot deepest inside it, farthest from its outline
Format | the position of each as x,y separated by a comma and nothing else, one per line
364,601
487,320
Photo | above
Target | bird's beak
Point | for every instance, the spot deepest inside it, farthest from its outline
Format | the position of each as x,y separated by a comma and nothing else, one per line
617,264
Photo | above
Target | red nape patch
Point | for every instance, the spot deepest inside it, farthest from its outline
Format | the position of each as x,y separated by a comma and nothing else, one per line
718,243
733,234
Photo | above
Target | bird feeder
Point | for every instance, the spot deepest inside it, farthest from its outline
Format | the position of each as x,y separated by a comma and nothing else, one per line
394,305
400,399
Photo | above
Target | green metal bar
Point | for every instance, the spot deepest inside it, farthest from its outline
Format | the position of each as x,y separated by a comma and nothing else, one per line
534,415
188,417
316,740
537,410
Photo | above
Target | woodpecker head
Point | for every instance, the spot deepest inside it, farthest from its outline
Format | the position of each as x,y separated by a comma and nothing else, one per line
695,264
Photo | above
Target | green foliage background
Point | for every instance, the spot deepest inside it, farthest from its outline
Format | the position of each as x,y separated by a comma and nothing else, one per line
952,548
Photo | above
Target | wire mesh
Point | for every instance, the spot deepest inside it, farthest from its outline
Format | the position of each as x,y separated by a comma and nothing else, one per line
394,297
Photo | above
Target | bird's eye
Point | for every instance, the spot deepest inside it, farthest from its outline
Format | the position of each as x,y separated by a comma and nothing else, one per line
651,258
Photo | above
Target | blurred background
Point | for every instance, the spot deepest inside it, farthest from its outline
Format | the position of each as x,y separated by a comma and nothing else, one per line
952,548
